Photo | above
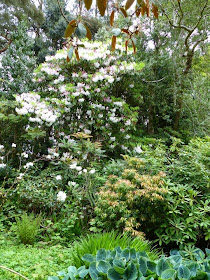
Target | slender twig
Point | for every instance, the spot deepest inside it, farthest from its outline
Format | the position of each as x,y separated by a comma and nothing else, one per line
9,41
3,267
181,12
59,4
155,81
196,25
171,23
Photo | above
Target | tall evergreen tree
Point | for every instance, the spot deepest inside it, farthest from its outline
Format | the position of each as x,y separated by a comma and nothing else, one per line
11,13
17,63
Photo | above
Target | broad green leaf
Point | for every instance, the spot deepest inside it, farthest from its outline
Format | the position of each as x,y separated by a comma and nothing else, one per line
199,254
72,269
162,265
113,275
151,266
88,258
174,252
131,272
101,255
94,274
142,265
119,266
61,273
82,29
193,268
132,253
82,271
142,254
207,252
103,267
70,53
168,273
183,272
118,249
126,254
116,31
175,259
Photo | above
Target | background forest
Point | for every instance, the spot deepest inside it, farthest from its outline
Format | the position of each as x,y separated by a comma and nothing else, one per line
104,143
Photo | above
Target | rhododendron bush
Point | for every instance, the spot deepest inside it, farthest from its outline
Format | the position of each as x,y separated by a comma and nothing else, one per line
66,125
78,98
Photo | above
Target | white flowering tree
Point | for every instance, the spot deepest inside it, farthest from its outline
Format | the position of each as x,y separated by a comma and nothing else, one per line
71,119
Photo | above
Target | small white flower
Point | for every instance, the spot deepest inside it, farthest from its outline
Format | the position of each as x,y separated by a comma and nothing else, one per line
61,196
25,155
96,64
20,176
87,131
118,103
73,165
92,171
112,138
84,170
2,165
128,122
28,164
81,100
1,147
138,150
14,145
127,136
78,168
58,177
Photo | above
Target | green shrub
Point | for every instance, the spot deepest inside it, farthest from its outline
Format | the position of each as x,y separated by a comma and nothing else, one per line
131,202
186,216
130,264
28,228
108,240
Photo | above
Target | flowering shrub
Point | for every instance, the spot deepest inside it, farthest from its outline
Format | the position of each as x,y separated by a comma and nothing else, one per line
131,202
78,97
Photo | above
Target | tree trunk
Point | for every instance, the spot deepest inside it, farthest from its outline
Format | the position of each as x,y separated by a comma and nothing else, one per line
180,98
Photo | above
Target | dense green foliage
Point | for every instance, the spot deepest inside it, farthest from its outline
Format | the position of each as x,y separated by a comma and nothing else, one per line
104,154
131,264
36,263
17,64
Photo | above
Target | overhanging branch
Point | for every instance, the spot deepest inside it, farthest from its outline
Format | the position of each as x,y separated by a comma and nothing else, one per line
59,4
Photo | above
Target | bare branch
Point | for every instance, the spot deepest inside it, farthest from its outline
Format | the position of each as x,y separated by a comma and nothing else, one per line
197,43
171,23
9,41
59,4
181,12
201,15
3,267
155,81
196,25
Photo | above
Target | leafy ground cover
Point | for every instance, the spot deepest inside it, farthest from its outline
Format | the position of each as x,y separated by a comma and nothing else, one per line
35,262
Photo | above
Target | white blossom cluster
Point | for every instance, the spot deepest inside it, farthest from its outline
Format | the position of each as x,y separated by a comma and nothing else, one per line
31,104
